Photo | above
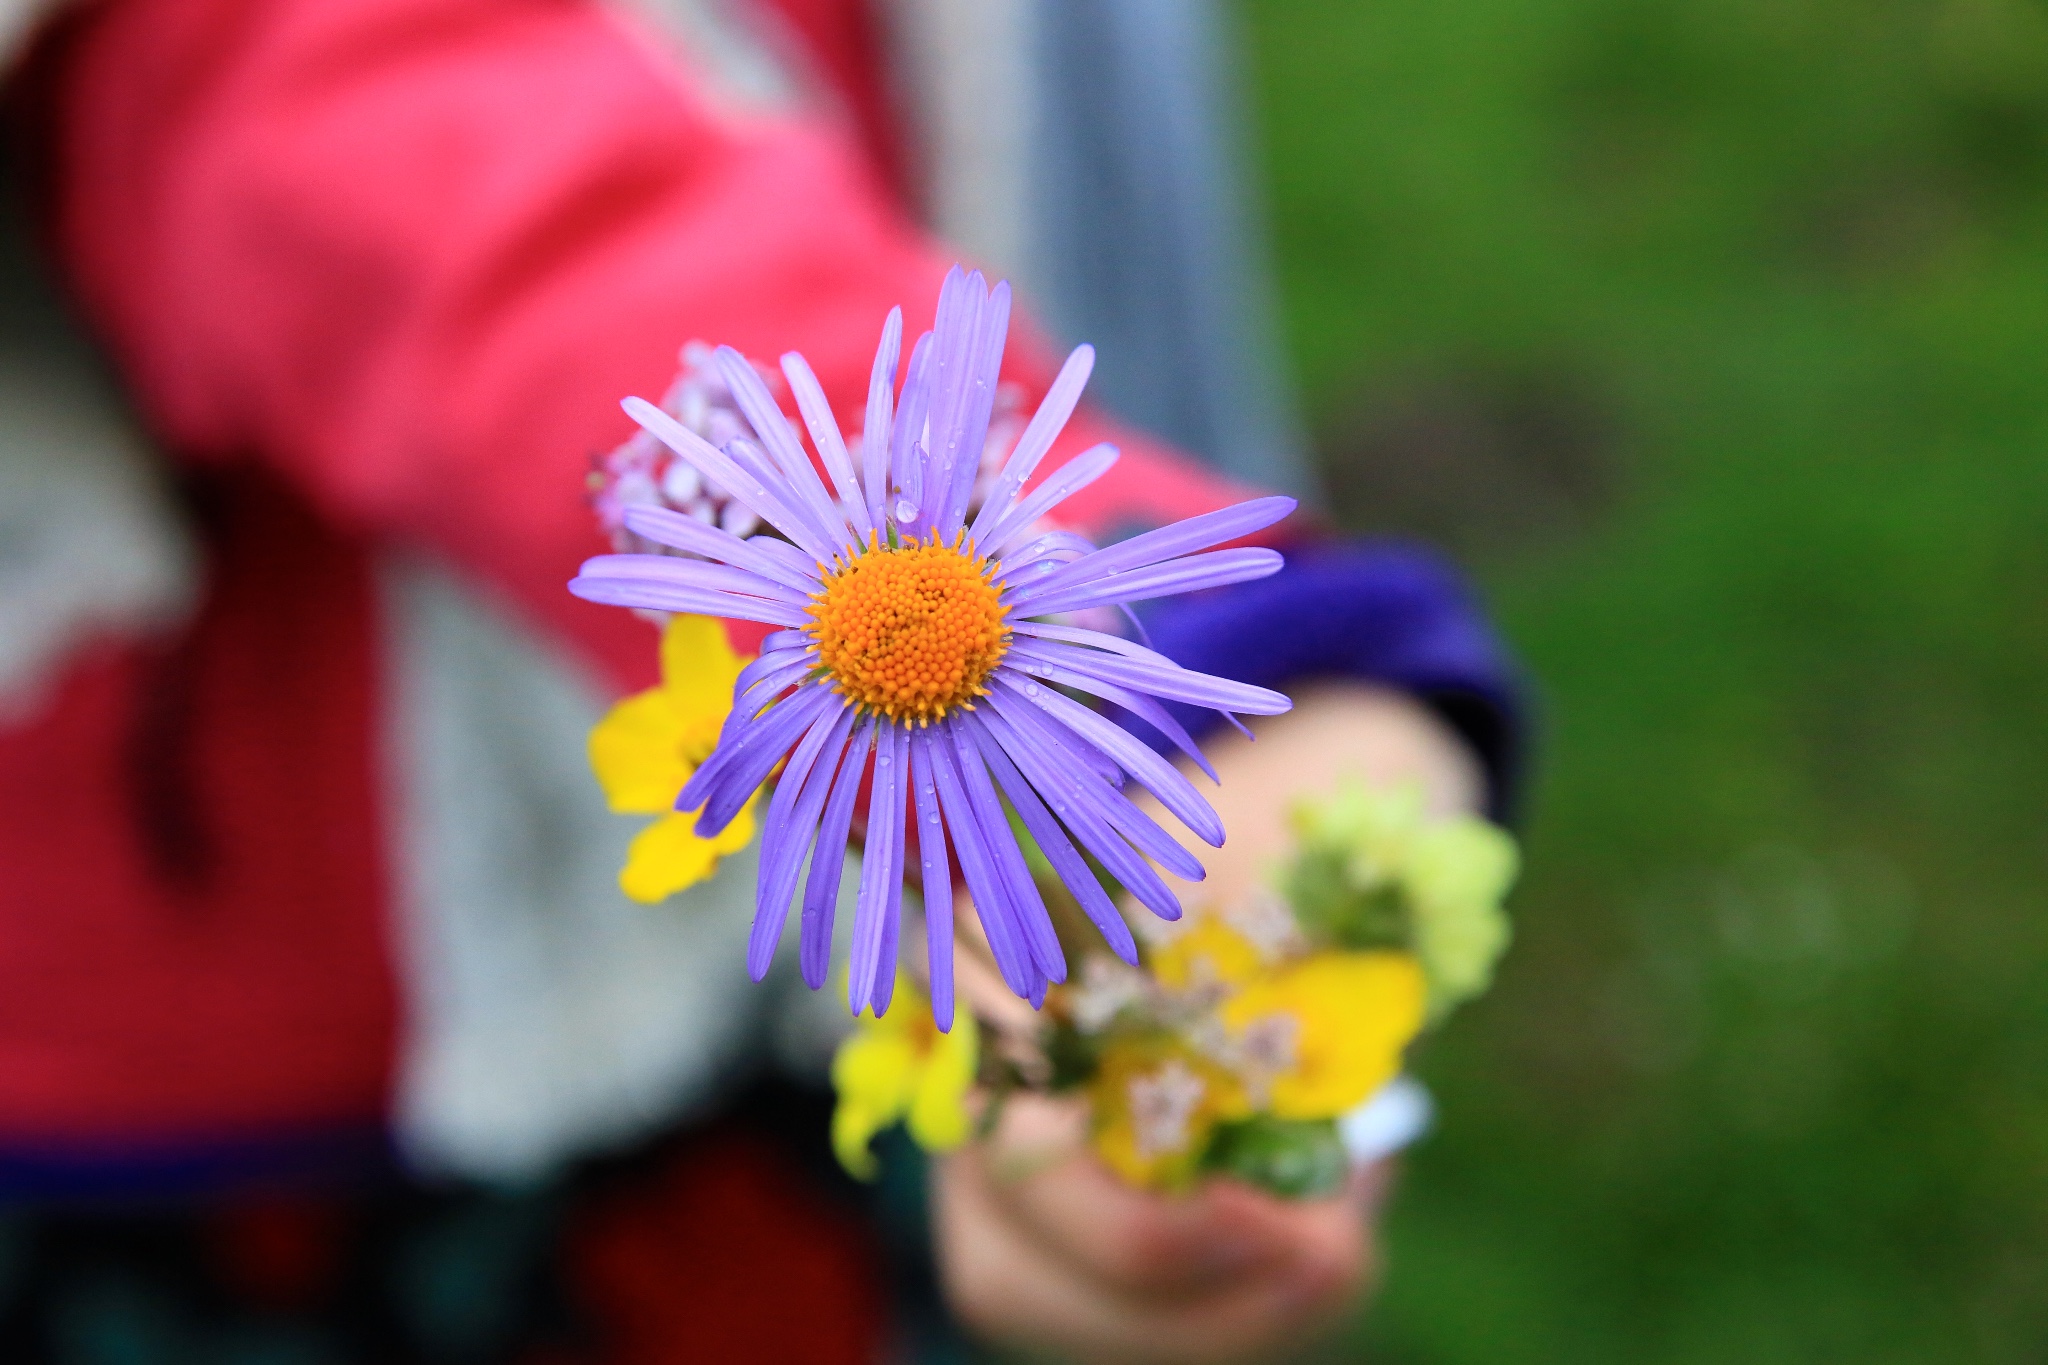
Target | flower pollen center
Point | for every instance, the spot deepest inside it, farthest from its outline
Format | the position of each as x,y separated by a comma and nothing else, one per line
910,631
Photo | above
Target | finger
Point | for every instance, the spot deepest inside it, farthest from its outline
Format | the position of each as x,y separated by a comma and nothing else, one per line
1044,1180
1006,1285
1331,1249
1156,1245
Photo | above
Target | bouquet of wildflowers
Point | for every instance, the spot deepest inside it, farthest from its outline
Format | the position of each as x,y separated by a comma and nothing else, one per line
1246,1031
939,646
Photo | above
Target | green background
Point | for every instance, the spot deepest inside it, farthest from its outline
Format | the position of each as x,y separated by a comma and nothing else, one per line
1711,335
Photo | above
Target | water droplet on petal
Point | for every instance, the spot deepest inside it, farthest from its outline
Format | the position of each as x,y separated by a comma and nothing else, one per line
906,511
882,759
932,819
1031,689
1046,566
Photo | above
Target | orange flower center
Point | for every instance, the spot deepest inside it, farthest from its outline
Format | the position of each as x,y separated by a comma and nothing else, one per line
910,632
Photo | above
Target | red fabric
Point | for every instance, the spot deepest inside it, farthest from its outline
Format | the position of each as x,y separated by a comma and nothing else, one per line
403,257
843,40
727,1255
190,931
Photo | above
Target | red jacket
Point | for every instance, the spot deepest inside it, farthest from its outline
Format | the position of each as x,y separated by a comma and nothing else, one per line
376,272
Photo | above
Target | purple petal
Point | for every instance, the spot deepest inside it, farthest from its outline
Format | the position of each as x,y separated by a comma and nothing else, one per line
1046,424
793,559
752,750
1096,813
695,573
1167,679
1041,555
804,496
727,794
758,691
912,408
1053,842
1137,703
881,873
1104,797
1151,771
937,882
885,981
1101,765
1032,920
720,468
962,299
1214,569
657,594
1093,639
665,527
828,858
780,438
874,434
1069,479
826,439
787,831
991,332
1168,542
773,659
977,864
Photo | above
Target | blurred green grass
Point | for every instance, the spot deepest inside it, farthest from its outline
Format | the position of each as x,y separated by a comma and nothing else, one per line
1766,1075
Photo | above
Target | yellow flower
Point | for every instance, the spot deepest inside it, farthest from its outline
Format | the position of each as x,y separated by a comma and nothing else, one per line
901,1067
1340,1020
1155,1102
1206,952
645,749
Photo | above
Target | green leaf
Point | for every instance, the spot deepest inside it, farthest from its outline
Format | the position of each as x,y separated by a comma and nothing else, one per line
1293,1158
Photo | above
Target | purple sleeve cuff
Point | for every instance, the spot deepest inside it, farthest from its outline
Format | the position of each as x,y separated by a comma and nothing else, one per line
1371,611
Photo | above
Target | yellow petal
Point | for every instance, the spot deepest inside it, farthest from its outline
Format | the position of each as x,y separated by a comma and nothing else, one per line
875,1069
1208,952
873,1074
939,1120
1355,1015
740,832
853,1127
665,858
698,667
636,756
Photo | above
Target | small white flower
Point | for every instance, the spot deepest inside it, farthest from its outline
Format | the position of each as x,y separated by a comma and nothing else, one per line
1162,1103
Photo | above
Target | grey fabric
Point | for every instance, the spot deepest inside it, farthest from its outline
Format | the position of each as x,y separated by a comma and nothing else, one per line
1141,241
1085,150
91,542
547,1015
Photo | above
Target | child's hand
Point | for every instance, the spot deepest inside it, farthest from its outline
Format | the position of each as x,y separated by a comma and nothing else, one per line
1040,1246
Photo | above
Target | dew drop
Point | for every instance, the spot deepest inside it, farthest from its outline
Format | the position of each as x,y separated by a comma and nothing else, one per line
1046,566
906,511
882,759
1031,689
932,819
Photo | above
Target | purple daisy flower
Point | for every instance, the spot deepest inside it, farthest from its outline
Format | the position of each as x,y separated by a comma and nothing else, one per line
916,636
